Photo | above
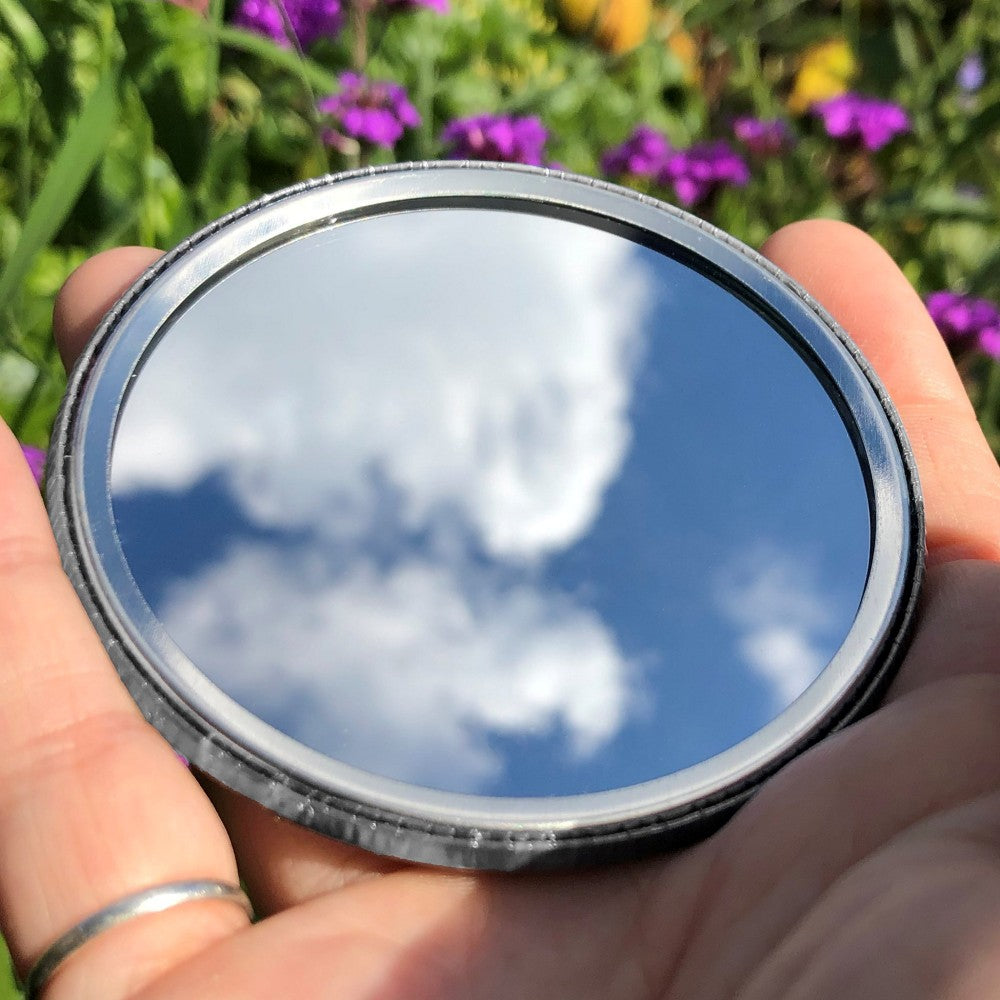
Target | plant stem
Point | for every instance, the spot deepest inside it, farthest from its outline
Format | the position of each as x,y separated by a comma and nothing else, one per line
360,9
215,14
313,112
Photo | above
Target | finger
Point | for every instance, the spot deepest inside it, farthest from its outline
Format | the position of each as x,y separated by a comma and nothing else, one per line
89,293
593,935
959,629
93,803
853,277
284,864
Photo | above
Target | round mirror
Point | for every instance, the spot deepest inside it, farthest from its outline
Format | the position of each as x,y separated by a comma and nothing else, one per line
486,517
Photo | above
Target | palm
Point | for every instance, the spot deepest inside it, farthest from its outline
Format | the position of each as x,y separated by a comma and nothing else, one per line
866,869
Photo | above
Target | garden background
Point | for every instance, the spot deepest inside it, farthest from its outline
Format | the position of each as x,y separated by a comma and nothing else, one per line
138,121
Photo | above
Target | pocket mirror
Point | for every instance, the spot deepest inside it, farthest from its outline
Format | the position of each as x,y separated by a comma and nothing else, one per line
485,516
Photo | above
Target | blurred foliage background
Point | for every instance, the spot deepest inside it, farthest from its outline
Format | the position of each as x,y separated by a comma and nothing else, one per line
138,121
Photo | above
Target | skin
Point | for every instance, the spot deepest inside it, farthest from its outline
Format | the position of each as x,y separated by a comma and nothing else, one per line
869,868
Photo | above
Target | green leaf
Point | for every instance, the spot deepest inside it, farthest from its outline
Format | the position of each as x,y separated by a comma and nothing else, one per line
24,30
74,162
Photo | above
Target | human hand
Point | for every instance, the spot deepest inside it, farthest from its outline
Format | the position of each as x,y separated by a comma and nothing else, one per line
868,868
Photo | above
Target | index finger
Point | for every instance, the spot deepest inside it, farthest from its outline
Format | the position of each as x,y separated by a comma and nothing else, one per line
862,288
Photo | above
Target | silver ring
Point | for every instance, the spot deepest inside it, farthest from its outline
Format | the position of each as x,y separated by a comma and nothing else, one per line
161,897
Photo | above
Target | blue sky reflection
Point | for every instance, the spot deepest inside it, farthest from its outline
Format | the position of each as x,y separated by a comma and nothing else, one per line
492,503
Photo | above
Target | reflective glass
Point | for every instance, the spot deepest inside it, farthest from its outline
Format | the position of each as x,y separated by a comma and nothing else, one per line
491,502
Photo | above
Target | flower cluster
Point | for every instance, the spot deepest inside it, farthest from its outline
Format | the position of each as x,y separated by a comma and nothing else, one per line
855,117
499,138
374,111
762,136
35,458
641,155
696,172
693,173
309,19
965,321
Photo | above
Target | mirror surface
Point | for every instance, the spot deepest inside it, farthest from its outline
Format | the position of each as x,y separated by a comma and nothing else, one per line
491,502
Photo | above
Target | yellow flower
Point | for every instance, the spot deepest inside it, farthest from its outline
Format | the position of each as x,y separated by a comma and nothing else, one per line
623,24
617,26
826,70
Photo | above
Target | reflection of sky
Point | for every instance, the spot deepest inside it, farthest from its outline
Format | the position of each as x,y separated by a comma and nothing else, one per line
479,408
543,511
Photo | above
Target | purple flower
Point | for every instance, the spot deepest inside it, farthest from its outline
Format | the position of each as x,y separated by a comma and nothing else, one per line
35,458
641,155
965,321
499,138
989,341
696,172
763,137
310,19
375,111
854,116
971,74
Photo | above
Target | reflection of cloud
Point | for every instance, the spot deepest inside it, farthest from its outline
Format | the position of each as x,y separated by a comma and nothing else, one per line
785,655
500,392
787,625
408,671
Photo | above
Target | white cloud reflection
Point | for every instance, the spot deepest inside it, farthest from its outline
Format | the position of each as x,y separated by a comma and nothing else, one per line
412,376
407,671
504,400
784,619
